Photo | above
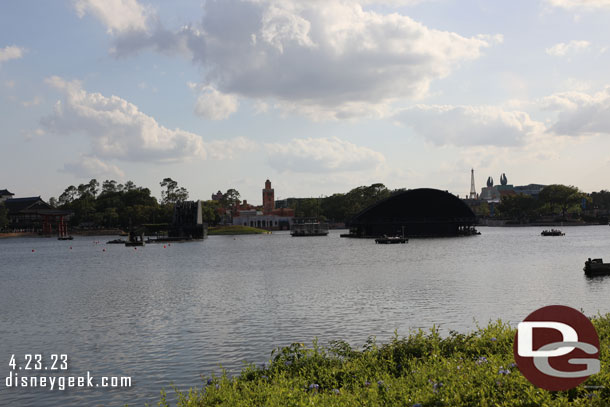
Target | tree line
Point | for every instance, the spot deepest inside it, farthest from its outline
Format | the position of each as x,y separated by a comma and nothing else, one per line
558,201
114,205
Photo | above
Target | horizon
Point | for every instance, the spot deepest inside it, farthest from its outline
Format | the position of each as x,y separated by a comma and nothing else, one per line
319,97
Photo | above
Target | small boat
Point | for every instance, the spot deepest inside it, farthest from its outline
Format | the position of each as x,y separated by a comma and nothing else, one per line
391,240
116,241
65,238
596,267
552,232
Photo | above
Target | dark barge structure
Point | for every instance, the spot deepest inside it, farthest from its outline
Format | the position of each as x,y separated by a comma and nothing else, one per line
422,212
187,224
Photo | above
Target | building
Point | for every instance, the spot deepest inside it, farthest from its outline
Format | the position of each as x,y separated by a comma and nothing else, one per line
532,189
415,212
268,217
34,214
268,198
217,196
5,194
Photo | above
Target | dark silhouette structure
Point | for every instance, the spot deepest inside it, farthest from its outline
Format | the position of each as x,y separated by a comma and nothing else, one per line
187,222
420,212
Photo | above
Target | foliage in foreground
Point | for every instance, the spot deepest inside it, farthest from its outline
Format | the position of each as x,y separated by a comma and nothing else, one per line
424,369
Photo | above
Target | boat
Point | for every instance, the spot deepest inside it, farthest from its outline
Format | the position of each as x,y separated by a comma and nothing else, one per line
596,267
552,232
116,241
65,238
135,239
308,227
391,239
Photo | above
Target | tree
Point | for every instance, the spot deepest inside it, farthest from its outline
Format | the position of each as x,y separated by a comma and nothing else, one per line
519,207
601,200
68,196
562,197
209,212
109,186
230,198
172,193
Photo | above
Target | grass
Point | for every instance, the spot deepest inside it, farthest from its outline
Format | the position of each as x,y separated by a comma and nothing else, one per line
235,230
423,369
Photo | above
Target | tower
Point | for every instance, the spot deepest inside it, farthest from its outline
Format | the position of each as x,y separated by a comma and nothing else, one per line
268,198
473,191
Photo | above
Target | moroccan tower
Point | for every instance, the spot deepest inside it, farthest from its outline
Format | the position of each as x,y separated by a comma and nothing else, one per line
268,198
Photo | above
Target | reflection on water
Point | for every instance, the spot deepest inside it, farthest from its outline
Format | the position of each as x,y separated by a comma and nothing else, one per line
168,315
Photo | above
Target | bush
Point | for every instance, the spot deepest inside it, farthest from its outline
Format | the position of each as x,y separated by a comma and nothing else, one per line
423,369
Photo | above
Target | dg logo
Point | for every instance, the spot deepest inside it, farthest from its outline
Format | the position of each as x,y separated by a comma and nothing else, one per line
556,348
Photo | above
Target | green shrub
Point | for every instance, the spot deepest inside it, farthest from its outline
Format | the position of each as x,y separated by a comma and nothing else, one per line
423,369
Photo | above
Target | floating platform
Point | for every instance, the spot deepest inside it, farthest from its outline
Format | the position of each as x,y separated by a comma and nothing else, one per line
391,240
596,267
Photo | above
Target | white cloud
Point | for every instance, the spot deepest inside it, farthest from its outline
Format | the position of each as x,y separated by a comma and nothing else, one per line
322,155
580,4
328,58
562,49
226,149
579,113
117,128
214,105
117,15
469,125
11,52
92,167
34,102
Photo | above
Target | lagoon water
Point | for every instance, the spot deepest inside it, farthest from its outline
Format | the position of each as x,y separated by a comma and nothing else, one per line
169,315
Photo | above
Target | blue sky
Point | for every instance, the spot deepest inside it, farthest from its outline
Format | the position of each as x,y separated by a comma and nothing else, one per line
319,96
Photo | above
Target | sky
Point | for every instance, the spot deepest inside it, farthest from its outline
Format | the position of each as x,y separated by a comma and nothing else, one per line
319,96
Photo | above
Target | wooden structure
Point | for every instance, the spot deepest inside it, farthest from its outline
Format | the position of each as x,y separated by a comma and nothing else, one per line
36,215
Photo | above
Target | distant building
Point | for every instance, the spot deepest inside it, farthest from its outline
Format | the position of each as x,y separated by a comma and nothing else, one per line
532,189
217,196
268,198
34,214
269,217
5,194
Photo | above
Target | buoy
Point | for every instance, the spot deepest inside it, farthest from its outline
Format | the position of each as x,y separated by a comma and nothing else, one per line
70,247
33,250
135,248
164,246
103,250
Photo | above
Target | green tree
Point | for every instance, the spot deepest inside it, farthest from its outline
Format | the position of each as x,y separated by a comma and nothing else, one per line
230,198
601,200
209,211
109,186
172,194
561,197
519,207
68,196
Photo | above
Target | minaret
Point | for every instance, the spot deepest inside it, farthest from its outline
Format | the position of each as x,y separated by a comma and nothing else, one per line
268,198
473,191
